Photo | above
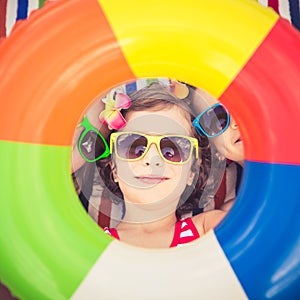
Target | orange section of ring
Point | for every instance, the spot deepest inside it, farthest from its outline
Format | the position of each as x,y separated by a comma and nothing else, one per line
43,101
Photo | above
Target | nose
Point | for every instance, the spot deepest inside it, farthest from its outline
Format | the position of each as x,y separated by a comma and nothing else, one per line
233,123
152,157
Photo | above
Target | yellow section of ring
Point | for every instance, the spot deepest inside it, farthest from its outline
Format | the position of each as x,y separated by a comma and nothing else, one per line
162,41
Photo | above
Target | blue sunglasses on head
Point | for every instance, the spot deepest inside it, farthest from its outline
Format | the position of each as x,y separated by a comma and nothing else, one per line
213,121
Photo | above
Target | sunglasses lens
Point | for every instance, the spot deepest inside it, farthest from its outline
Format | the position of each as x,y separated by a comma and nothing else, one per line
92,146
214,120
131,146
175,149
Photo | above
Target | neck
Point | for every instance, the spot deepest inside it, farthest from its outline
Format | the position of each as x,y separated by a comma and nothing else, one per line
144,213
150,226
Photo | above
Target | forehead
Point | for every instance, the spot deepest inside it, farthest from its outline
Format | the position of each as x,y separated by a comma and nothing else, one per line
204,99
167,121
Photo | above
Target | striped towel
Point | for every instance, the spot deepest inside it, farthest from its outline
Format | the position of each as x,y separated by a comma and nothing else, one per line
288,9
14,10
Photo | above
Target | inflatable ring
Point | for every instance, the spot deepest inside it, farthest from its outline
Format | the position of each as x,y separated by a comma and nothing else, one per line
57,61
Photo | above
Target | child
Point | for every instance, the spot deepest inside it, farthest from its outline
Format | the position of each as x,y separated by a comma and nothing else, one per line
154,170
85,176
215,122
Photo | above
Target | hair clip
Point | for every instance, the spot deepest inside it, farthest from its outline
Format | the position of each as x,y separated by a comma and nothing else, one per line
179,89
111,115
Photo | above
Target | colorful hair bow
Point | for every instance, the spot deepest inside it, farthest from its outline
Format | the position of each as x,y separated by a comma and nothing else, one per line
179,89
111,115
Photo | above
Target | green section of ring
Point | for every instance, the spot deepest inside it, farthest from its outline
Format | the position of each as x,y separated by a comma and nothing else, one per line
48,242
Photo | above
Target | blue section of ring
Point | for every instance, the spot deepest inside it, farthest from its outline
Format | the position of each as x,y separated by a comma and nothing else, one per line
261,234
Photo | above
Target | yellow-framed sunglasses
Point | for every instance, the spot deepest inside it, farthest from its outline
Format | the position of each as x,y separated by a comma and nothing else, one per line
174,149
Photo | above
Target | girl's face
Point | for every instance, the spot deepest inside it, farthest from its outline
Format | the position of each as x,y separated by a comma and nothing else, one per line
152,180
229,143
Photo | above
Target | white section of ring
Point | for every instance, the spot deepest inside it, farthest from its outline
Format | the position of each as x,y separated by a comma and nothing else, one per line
198,270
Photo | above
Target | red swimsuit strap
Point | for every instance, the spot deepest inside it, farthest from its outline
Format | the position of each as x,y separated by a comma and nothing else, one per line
185,232
112,231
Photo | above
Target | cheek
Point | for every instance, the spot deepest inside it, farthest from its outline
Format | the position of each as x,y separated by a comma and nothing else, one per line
124,173
120,169
124,168
222,143
183,174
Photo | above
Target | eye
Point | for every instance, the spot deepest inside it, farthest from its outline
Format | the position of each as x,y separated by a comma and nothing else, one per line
170,150
136,151
222,123
131,146
137,148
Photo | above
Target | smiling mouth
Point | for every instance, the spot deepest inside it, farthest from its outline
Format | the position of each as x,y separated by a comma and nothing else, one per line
151,179
238,140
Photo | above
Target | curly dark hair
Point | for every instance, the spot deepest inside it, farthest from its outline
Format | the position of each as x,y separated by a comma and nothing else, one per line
157,97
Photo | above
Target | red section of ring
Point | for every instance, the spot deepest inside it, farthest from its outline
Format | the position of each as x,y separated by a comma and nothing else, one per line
265,98
73,56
